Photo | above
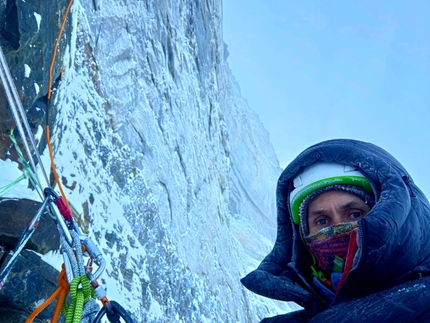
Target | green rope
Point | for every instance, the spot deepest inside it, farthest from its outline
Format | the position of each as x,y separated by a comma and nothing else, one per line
80,293
27,170
5,188
24,162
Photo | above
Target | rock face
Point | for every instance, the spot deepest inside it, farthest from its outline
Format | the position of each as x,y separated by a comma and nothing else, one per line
169,171
29,282
24,40
19,214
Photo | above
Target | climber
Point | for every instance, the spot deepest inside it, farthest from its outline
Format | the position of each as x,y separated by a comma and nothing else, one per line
353,239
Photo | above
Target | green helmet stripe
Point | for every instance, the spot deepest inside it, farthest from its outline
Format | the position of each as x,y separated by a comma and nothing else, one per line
336,180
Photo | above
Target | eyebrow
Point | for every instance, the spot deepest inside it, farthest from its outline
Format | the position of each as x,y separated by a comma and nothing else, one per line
346,206
317,213
350,205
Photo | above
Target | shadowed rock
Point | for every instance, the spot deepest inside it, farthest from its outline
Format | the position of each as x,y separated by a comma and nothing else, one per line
29,283
15,216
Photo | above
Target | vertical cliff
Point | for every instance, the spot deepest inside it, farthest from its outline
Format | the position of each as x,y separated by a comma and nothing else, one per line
168,169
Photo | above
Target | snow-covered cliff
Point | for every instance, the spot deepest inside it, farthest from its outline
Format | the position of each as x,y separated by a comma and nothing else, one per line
172,173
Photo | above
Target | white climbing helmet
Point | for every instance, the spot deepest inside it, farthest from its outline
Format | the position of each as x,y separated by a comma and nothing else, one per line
322,174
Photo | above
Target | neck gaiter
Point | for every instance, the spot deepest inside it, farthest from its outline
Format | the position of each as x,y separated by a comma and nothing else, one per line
330,246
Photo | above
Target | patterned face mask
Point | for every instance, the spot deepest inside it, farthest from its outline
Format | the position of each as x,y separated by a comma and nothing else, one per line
330,246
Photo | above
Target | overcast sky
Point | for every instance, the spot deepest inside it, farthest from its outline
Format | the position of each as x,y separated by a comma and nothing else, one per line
317,70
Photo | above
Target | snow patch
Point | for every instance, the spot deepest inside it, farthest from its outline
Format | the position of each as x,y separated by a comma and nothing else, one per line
27,70
53,258
155,310
38,19
38,134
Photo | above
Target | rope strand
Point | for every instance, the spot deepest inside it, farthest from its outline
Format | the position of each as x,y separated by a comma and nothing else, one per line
19,114
48,105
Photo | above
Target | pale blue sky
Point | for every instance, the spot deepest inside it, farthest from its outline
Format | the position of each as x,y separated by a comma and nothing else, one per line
316,70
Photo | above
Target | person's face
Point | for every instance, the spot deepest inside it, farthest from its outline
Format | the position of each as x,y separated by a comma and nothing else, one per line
335,207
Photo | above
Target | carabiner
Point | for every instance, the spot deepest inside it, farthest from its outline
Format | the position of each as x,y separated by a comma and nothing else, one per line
114,312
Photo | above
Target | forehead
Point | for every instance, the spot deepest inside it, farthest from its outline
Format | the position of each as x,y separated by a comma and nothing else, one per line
333,197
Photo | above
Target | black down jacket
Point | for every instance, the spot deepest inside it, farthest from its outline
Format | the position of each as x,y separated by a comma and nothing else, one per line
389,280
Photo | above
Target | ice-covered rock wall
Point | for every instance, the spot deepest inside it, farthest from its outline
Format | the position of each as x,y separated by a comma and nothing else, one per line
172,173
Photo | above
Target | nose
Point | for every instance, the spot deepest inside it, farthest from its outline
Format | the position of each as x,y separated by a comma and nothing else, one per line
337,218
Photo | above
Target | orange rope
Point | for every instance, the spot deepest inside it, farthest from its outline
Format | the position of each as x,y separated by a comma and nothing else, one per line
54,169
57,41
63,288
61,292
51,67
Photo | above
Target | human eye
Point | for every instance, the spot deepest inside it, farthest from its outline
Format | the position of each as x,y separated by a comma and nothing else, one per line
321,222
357,215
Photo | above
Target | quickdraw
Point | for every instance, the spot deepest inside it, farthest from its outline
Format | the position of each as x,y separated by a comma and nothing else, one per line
22,242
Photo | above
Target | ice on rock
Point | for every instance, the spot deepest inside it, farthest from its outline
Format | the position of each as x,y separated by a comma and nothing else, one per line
173,172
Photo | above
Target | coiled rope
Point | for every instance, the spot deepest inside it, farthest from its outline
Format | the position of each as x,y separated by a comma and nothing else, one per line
83,306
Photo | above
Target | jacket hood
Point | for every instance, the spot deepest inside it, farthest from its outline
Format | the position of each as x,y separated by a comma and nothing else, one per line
394,237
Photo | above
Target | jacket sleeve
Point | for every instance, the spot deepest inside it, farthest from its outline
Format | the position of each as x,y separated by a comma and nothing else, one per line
292,317
408,302
282,287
